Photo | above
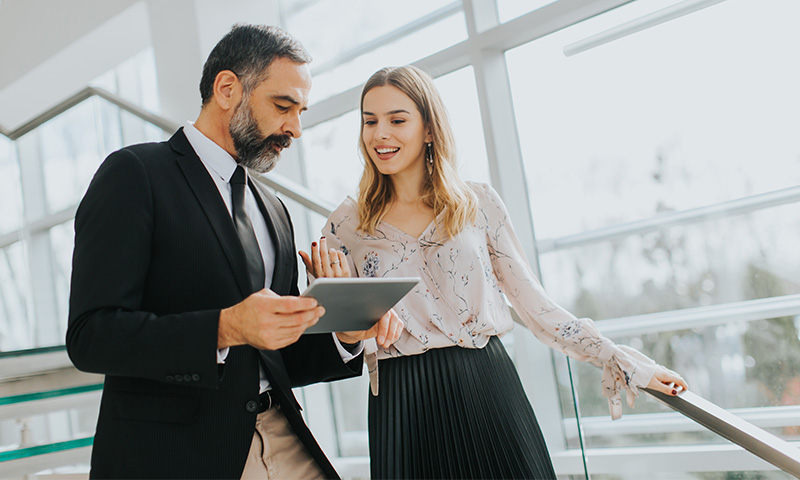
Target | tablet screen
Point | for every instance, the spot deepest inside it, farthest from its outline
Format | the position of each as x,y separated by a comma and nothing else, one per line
353,304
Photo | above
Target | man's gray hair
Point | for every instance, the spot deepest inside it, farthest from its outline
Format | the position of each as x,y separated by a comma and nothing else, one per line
248,51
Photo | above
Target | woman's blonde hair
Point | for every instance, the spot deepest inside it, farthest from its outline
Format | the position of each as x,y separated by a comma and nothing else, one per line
443,190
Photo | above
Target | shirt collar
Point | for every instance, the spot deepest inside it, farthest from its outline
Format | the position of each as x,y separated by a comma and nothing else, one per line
214,157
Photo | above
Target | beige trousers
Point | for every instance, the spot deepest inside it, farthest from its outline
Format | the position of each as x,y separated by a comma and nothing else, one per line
276,452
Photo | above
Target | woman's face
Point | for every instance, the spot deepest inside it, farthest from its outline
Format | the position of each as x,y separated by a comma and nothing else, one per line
393,131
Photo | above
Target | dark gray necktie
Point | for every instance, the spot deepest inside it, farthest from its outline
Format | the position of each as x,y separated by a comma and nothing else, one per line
255,262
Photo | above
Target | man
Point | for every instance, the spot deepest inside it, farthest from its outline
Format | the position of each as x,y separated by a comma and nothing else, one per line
184,287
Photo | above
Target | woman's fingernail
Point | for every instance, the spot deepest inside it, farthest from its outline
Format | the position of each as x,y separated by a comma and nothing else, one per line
674,392
322,237
313,244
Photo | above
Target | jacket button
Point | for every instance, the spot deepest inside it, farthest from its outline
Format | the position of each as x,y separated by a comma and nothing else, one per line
196,377
251,406
178,378
187,378
170,378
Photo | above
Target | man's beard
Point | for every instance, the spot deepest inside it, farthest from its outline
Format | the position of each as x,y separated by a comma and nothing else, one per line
254,151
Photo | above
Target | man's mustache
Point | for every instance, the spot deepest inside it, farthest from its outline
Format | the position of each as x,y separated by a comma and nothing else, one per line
283,141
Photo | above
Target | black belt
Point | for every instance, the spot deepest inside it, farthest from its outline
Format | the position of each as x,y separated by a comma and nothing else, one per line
265,401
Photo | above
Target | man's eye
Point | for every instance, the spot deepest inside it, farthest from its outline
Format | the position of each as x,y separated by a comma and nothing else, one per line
282,108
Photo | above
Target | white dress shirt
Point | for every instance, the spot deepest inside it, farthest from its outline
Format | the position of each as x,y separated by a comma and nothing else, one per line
221,165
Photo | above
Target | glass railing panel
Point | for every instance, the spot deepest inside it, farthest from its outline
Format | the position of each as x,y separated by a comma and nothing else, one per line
743,475
59,159
70,151
30,434
747,367
14,298
733,259
10,188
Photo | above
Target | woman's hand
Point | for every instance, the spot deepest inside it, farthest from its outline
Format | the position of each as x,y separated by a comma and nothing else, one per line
325,262
386,331
668,382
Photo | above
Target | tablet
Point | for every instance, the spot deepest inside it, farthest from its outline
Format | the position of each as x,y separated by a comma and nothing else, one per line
353,304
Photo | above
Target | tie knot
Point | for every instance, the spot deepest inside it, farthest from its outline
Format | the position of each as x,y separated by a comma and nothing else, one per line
238,176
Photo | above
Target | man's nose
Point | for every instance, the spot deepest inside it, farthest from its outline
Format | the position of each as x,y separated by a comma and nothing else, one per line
293,127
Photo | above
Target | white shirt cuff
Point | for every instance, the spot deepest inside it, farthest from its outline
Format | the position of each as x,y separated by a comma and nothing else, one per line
347,356
222,355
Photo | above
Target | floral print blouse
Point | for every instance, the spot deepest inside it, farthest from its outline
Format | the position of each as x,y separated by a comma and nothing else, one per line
460,298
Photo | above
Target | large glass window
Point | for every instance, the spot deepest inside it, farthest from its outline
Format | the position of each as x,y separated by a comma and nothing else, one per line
373,35
670,119
665,119
511,9
45,173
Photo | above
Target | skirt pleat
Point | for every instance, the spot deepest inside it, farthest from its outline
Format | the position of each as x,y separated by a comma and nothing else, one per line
454,413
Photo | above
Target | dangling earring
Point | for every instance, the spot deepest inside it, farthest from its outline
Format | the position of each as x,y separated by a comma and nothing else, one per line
429,159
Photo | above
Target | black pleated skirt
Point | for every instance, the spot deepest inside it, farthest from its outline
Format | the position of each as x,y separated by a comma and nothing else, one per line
454,413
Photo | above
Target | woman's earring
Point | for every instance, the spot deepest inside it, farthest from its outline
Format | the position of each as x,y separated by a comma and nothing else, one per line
429,158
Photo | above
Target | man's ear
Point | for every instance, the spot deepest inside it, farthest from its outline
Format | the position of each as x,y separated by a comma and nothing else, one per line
227,90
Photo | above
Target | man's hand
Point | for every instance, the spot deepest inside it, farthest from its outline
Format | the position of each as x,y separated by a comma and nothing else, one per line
266,320
386,331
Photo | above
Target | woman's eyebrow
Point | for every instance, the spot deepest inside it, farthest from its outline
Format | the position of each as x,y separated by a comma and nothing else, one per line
389,113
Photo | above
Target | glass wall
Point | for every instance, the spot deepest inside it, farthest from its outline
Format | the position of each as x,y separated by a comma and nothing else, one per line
667,120
661,170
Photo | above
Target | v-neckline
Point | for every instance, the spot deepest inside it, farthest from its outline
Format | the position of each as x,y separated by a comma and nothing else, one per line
418,237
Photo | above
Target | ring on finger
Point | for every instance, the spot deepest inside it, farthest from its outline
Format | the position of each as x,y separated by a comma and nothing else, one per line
335,262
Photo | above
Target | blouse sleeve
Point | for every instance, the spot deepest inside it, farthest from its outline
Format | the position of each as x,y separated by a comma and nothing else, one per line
579,338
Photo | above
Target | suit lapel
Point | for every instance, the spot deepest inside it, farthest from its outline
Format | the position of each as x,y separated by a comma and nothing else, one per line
207,194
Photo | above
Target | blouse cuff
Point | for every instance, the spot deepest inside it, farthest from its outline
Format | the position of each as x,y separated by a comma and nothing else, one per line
627,369
371,359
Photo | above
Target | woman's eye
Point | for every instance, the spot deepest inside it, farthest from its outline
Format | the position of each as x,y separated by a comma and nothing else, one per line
370,122
398,121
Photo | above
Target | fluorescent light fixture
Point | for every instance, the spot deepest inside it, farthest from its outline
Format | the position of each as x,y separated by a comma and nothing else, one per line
642,23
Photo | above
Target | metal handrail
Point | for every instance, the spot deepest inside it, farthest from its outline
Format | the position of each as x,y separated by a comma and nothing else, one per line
81,96
762,444
774,450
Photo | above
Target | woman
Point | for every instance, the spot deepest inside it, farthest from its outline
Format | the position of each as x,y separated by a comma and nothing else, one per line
451,404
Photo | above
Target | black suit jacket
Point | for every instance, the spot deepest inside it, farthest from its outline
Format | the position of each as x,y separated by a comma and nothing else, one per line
156,258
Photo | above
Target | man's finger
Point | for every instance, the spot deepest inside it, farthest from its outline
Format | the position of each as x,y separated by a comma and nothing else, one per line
284,305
